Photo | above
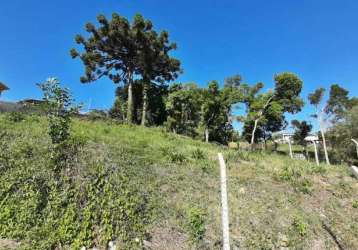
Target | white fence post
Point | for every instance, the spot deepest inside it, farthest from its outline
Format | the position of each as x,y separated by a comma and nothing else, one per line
355,171
224,203
316,152
356,143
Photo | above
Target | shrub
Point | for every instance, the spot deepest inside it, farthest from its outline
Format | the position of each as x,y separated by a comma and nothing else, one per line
355,204
173,155
59,108
299,225
16,116
198,154
196,223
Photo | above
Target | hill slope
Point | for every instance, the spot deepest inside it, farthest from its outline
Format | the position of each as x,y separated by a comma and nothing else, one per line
146,186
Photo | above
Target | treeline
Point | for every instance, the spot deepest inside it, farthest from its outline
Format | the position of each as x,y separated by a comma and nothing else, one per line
138,58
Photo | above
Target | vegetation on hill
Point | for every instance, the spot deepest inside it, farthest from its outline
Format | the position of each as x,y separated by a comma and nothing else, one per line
129,184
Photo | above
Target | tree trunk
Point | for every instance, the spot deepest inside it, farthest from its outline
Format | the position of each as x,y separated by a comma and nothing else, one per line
316,153
253,134
145,104
325,147
130,99
290,147
206,135
306,152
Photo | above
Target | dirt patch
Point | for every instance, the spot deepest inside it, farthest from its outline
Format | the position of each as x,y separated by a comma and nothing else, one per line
165,237
8,244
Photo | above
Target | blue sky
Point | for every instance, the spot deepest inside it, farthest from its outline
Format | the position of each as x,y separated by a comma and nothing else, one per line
316,39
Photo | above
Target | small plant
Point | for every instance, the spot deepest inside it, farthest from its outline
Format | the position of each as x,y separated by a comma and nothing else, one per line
355,204
59,108
173,155
198,154
196,223
299,225
305,186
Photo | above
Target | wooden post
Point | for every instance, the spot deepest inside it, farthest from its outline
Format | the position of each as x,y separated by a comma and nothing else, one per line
315,152
224,203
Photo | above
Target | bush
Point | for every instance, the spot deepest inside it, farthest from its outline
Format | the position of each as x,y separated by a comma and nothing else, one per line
196,223
174,155
299,225
198,154
16,117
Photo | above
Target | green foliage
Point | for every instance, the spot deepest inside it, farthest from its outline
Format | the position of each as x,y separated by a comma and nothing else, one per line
145,54
355,204
338,102
196,223
174,155
15,116
302,130
198,154
195,111
298,176
85,206
183,106
299,225
59,107
316,97
118,110
340,137
267,110
124,168
288,87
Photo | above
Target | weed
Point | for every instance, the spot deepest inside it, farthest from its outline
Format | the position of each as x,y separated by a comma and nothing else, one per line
198,154
355,204
305,186
173,155
196,223
299,225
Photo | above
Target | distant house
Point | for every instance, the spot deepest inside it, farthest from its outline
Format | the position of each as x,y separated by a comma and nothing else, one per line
31,102
3,87
282,137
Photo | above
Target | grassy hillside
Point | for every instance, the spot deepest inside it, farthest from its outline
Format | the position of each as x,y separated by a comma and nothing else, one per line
146,187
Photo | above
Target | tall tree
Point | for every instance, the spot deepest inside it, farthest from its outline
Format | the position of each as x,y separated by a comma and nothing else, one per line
330,112
216,112
123,51
338,102
156,65
315,99
265,112
183,109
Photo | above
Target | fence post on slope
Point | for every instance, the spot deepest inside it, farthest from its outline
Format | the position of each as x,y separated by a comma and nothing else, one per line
224,203
356,143
355,171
